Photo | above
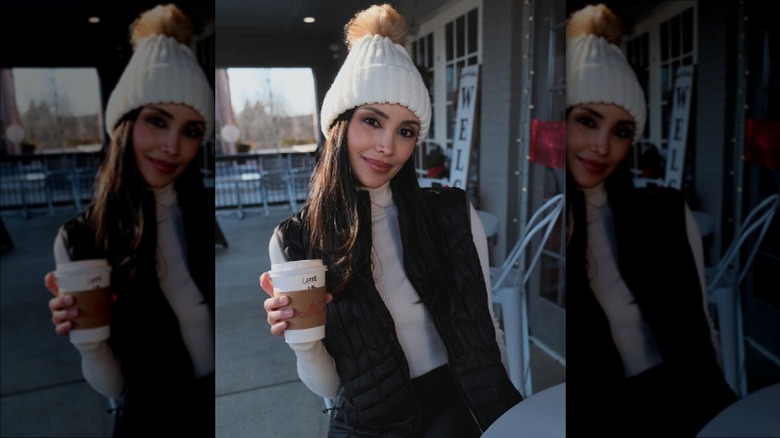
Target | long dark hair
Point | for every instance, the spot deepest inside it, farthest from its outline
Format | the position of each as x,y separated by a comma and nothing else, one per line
335,221
333,218
122,210
117,210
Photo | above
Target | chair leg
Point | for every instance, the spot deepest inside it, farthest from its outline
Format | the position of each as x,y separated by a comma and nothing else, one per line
741,367
526,346
510,314
724,300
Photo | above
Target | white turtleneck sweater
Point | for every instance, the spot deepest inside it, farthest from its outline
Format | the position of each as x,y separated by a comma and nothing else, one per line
631,334
414,326
99,365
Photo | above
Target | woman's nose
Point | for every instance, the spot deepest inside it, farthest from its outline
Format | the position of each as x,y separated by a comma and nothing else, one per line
600,142
170,143
386,143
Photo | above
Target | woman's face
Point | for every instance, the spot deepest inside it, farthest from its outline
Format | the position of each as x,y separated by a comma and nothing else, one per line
598,137
166,137
380,139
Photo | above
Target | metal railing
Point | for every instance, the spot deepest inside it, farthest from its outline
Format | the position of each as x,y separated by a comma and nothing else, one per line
262,179
46,181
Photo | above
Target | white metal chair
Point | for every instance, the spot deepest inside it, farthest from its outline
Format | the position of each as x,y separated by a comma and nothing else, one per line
723,291
508,290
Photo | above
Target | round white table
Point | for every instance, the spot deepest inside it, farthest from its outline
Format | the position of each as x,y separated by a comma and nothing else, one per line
542,415
755,415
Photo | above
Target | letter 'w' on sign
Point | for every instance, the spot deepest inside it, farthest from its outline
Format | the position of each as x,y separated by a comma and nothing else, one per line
465,120
678,126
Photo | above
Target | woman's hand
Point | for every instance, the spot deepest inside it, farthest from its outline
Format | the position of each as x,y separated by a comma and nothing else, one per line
277,313
62,307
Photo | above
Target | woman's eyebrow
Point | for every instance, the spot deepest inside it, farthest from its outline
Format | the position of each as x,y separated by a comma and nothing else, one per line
160,111
168,115
381,114
600,116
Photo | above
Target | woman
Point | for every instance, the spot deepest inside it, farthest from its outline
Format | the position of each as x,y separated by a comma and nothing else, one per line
641,350
149,219
411,346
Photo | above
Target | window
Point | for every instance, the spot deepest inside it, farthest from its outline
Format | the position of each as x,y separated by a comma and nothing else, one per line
422,54
447,43
56,109
660,45
272,109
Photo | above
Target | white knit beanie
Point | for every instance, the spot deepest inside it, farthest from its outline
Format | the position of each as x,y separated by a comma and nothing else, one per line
377,70
161,70
598,72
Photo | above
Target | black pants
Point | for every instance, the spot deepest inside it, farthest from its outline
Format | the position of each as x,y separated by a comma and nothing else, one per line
444,413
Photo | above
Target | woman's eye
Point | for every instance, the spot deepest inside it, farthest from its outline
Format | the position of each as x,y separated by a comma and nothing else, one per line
624,133
371,121
193,132
407,132
156,121
586,121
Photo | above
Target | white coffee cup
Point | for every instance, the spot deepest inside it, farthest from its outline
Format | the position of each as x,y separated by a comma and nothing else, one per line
303,281
88,281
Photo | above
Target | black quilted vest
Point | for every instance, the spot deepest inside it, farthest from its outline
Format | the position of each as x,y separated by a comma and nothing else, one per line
376,396
145,333
657,264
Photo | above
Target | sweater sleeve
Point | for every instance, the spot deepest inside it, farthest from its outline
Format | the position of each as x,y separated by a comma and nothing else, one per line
480,241
316,368
98,363
694,240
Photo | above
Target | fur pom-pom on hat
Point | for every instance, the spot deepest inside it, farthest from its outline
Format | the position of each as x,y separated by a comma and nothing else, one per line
596,68
162,69
378,69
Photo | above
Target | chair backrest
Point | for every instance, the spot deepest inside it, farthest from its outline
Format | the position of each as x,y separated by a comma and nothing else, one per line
543,220
751,232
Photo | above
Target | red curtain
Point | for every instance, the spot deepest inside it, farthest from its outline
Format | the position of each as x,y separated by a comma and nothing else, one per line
762,143
548,143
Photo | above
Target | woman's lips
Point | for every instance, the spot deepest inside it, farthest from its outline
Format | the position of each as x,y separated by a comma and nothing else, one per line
377,165
162,166
593,166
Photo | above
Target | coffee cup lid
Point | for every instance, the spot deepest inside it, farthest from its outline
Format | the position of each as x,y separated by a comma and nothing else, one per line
277,268
81,265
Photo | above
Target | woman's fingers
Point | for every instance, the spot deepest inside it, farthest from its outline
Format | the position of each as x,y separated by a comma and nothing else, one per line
51,283
62,312
61,302
279,328
265,283
64,328
274,307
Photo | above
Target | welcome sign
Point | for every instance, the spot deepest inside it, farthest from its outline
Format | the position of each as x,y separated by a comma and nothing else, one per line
678,126
468,90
